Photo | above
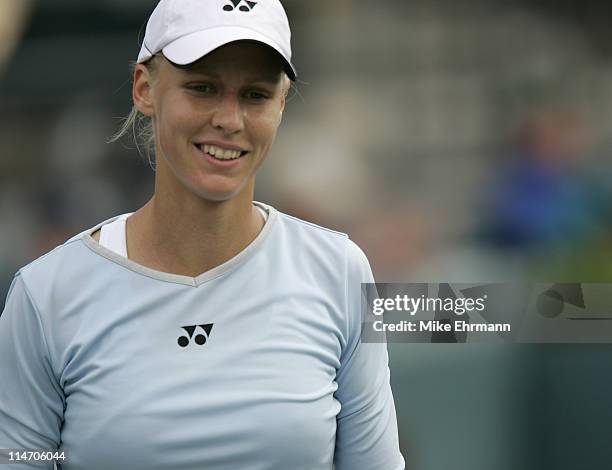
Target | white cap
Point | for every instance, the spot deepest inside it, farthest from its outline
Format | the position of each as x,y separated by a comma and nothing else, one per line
187,30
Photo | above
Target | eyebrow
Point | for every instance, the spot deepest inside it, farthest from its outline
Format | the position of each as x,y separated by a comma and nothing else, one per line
272,80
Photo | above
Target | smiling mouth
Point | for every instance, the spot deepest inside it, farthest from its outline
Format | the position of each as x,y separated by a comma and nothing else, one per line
219,153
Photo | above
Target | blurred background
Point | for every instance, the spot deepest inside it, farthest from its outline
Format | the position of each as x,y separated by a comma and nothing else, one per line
463,141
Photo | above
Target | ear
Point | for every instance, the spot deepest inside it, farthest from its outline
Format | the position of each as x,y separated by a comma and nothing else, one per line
142,90
282,108
285,91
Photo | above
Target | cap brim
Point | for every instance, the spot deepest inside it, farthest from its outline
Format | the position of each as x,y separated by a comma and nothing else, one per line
193,47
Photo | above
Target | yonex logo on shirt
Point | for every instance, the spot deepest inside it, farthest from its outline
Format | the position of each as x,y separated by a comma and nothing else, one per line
245,7
200,338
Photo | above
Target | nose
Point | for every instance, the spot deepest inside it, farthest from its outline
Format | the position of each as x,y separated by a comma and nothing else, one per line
227,115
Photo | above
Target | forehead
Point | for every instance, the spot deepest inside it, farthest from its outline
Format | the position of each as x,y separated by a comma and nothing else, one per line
245,59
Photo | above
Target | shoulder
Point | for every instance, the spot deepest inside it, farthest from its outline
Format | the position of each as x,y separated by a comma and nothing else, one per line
67,260
46,261
323,244
299,236
309,229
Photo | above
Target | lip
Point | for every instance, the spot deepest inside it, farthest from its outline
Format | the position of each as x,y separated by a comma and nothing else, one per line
220,164
223,145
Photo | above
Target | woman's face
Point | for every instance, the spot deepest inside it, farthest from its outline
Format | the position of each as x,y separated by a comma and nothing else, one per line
214,120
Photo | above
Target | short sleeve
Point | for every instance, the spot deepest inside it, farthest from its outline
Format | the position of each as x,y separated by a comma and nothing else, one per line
31,400
367,435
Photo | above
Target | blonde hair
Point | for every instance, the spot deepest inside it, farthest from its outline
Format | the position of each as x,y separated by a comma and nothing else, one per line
141,126
136,123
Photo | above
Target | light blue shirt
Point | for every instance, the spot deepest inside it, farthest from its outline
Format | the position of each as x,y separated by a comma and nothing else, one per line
256,364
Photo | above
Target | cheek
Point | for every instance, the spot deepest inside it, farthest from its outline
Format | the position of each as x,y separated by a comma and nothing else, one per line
265,126
178,122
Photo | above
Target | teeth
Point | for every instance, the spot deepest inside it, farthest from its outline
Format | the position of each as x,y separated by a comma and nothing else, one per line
221,154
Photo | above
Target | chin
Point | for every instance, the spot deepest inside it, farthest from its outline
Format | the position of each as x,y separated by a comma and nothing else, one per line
218,194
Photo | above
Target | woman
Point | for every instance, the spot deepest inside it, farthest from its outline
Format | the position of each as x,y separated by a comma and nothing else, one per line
203,331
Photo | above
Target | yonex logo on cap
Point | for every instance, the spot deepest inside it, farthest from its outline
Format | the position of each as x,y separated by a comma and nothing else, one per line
200,338
242,5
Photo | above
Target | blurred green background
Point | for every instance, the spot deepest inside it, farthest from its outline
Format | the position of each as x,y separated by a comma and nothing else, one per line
463,141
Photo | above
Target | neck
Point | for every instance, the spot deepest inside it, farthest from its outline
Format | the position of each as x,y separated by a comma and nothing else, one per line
189,235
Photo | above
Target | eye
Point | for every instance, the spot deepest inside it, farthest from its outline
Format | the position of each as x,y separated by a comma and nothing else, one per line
255,95
203,88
